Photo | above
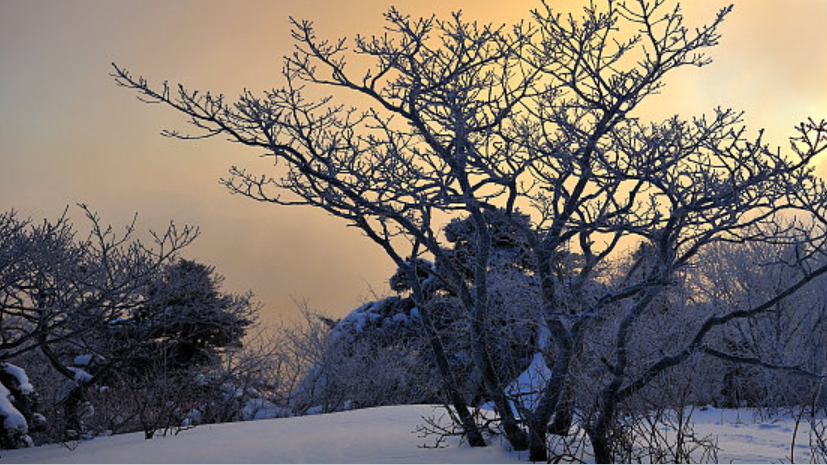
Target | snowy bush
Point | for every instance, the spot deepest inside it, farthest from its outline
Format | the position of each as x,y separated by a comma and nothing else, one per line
379,353
374,356
15,429
18,404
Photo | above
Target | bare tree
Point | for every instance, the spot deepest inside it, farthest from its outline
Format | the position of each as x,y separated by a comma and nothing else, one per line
51,279
56,289
478,121
675,188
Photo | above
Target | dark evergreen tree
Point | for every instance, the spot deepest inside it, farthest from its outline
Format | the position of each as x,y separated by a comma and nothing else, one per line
185,320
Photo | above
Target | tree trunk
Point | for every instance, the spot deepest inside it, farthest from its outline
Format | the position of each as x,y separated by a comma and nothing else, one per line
600,447
479,336
469,426
515,435
563,416
538,448
73,425
552,402
598,431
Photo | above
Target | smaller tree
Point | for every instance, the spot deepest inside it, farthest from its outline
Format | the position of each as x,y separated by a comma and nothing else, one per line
792,336
185,320
157,353
108,314
56,289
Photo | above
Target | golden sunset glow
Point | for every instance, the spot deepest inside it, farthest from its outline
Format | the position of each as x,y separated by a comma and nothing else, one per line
68,134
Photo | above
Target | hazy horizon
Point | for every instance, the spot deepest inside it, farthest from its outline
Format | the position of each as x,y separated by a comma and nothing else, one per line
69,135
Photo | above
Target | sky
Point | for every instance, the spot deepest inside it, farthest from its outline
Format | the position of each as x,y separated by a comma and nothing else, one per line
69,135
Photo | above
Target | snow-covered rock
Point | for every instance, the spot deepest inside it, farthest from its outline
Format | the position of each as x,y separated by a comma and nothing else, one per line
23,383
262,409
15,429
17,401
12,418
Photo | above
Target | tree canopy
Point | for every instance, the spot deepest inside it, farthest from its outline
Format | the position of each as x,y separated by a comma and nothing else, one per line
538,121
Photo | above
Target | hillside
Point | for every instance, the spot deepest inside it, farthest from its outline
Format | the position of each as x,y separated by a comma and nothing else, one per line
380,435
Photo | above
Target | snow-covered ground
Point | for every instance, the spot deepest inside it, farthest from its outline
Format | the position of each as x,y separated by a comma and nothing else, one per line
379,435
744,437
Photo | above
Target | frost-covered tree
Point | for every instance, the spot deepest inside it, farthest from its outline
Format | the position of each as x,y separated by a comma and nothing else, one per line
161,349
793,335
107,312
54,284
57,288
480,121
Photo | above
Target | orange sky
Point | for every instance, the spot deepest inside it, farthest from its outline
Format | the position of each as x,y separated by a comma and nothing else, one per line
68,135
